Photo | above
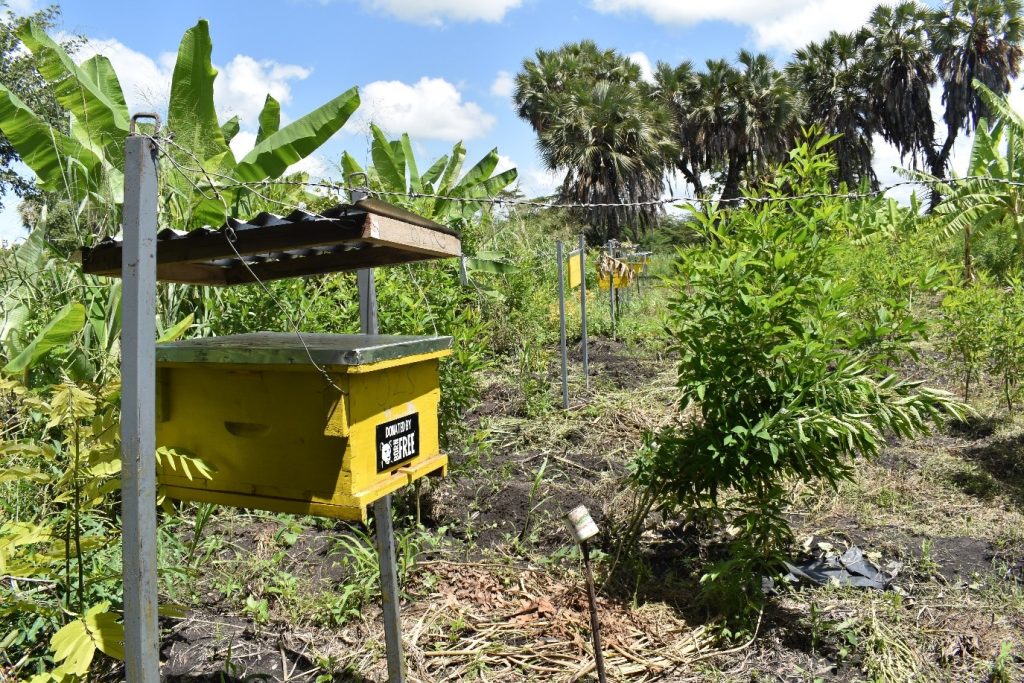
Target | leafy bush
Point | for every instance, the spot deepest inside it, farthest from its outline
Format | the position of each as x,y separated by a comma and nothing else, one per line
771,369
983,331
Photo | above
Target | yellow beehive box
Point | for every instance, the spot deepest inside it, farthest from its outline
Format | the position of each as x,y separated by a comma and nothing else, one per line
604,280
324,425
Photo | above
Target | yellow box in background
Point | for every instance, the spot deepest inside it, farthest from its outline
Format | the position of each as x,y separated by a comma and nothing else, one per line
604,282
286,436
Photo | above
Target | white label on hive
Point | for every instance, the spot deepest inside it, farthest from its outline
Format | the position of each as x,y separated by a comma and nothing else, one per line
398,441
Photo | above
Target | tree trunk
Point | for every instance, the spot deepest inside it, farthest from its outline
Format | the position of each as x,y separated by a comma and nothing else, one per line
737,160
692,177
613,226
937,162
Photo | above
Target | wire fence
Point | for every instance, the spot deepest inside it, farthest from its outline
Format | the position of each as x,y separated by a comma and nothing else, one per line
258,188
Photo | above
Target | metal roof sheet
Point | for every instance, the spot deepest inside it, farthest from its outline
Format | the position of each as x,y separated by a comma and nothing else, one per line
368,233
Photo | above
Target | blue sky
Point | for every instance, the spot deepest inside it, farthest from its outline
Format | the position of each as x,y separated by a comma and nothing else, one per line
438,69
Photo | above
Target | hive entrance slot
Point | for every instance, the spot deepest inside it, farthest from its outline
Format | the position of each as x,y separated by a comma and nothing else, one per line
247,430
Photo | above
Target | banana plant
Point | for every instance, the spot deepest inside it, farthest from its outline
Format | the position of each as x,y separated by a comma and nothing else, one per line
989,196
395,174
87,163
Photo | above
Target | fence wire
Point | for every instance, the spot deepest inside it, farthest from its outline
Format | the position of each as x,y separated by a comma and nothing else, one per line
229,182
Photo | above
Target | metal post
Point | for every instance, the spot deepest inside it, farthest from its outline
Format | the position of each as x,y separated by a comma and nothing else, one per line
367,300
463,275
385,536
611,285
389,589
595,623
138,410
561,320
583,308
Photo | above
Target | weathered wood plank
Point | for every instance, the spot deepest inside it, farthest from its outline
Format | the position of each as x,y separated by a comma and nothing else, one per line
390,232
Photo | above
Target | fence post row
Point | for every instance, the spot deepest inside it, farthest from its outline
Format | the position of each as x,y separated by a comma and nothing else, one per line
138,408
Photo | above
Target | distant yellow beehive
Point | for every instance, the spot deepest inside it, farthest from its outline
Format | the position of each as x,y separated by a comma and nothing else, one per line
283,437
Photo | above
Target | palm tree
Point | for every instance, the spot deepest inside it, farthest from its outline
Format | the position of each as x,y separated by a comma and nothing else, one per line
901,70
972,40
832,79
765,120
677,88
596,118
731,120
544,81
615,144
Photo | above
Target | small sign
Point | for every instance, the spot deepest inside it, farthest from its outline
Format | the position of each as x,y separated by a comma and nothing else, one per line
398,441
575,269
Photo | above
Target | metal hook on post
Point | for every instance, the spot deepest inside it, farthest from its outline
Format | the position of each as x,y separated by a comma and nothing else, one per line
358,192
144,115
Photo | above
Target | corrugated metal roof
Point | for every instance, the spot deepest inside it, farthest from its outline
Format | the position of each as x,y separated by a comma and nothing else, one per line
368,233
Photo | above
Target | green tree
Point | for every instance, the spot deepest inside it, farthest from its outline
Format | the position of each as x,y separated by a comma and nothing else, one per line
774,369
831,77
992,197
973,40
599,122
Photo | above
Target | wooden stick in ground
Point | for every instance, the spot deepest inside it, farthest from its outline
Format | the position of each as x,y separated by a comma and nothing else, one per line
595,623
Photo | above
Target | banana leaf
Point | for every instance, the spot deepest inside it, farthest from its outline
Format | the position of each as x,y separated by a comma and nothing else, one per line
293,143
59,331
270,119
104,116
191,114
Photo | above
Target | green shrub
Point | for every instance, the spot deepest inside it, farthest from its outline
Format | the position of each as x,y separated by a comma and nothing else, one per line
771,366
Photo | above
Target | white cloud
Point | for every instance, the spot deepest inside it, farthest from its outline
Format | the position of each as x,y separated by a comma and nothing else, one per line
812,21
504,84
22,7
315,165
242,86
436,12
504,164
644,62
242,143
780,24
431,108
540,182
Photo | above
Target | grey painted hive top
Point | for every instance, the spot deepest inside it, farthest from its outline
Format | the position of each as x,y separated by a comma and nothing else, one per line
285,348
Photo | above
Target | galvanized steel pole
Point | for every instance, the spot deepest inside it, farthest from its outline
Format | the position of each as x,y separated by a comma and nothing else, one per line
385,535
367,300
583,308
611,284
561,318
138,409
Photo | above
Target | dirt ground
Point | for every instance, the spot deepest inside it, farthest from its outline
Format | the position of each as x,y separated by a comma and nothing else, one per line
494,588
